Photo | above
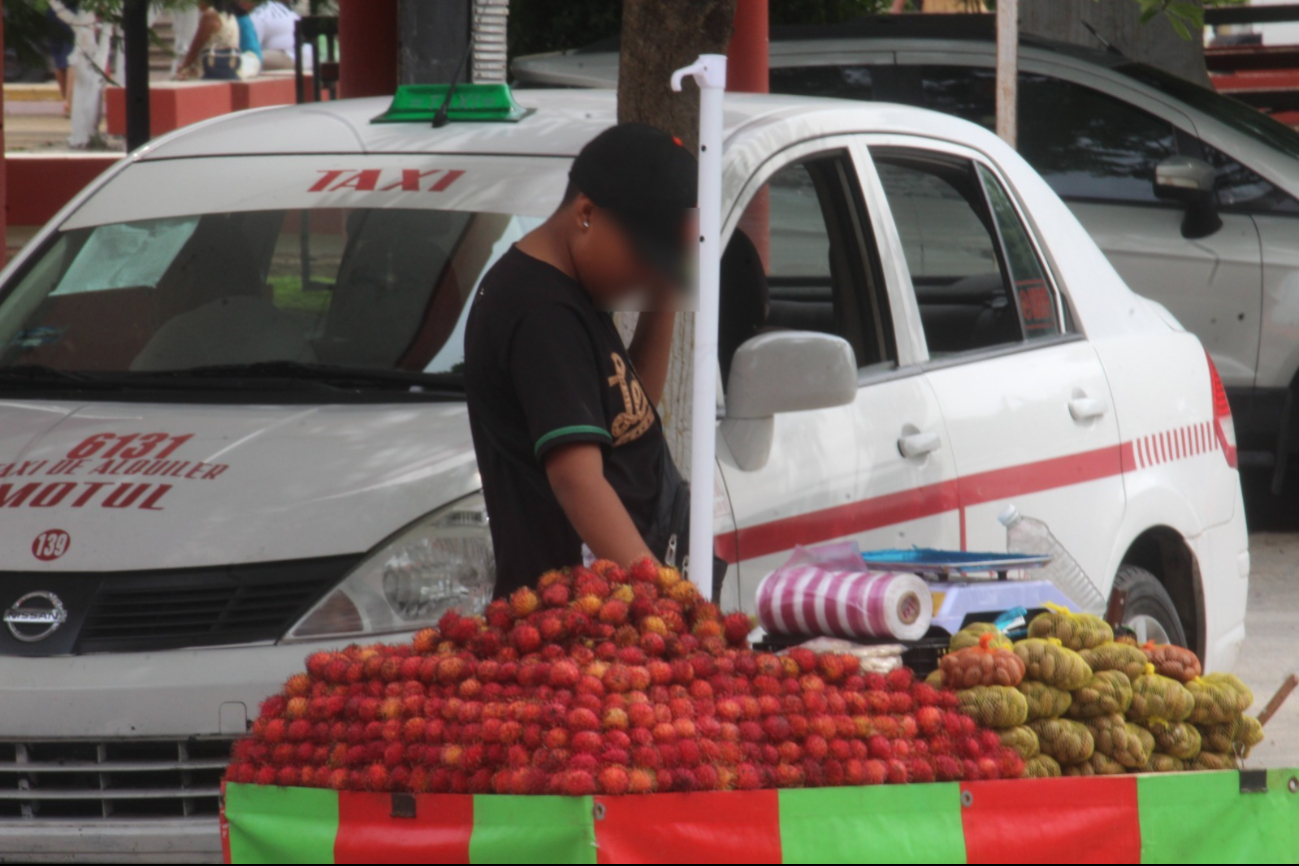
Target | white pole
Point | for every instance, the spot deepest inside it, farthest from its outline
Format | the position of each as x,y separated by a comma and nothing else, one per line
1008,71
709,72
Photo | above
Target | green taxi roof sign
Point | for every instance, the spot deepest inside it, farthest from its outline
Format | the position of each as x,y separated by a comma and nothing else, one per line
470,103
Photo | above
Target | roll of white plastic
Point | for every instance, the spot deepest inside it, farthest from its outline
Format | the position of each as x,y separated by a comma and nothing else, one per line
810,601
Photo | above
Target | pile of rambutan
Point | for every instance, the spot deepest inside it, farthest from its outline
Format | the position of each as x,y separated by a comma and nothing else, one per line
605,681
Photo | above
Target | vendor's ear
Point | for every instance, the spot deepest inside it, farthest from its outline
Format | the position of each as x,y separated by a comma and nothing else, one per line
583,211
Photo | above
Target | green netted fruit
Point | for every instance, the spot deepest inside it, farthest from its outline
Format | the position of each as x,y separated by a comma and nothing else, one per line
1067,741
1212,761
1219,699
1077,631
1096,765
1122,741
997,707
1158,700
1116,657
1022,741
1044,702
983,665
1107,692
974,632
1042,767
1242,734
1050,662
935,679
1173,662
1162,763
1179,740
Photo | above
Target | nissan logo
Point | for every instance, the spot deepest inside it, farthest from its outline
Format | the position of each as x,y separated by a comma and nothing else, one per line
35,616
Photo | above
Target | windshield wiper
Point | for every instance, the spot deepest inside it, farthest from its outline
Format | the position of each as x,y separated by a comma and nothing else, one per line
43,376
337,376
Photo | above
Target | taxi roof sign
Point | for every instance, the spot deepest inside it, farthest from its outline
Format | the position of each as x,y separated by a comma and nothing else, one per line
470,103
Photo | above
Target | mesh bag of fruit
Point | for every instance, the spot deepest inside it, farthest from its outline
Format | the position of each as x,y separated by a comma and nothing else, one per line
1022,741
997,707
1162,763
973,633
1122,741
1042,767
1116,657
1173,662
1180,740
1048,661
1219,698
1077,631
1107,692
1044,702
1240,735
982,665
1159,700
1067,741
1212,761
1096,765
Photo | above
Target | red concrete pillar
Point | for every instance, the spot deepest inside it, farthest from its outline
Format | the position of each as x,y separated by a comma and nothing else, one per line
367,47
747,60
747,67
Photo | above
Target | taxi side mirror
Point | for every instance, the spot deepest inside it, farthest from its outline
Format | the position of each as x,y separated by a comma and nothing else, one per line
784,371
1192,182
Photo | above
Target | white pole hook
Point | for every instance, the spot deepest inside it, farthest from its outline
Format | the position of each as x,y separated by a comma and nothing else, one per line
708,71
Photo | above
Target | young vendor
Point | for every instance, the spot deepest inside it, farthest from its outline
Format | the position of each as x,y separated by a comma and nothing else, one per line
570,445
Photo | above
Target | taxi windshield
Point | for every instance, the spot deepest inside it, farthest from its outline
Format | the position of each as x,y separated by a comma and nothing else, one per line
374,294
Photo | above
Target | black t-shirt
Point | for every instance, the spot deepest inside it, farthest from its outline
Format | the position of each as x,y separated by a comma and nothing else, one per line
543,368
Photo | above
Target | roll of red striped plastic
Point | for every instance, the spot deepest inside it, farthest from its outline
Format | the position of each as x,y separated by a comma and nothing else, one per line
812,601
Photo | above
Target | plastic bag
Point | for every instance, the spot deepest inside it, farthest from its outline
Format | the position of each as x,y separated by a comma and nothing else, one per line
1022,741
983,665
1219,699
1042,767
1212,761
1180,740
1077,631
1045,702
997,707
1050,662
1096,765
1116,657
970,635
1173,662
1163,763
1243,734
1067,741
872,658
1107,692
1159,700
1122,741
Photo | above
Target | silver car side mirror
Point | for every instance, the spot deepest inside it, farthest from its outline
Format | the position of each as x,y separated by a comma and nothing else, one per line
784,371
1192,182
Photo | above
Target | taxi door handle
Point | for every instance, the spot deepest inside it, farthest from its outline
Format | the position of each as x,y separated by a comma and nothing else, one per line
919,444
1086,408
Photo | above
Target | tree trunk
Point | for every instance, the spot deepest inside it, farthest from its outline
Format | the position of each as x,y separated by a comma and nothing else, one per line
1118,22
658,38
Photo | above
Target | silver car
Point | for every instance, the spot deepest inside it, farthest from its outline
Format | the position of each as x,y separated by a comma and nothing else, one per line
1222,255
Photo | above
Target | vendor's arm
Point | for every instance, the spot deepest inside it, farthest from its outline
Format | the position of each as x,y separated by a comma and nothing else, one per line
651,351
576,474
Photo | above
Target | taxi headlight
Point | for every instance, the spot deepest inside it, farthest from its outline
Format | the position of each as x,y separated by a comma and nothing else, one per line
442,561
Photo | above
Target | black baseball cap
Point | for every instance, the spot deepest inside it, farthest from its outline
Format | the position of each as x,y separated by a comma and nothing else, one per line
649,182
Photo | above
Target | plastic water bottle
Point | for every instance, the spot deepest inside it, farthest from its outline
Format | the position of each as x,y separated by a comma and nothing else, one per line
1033,537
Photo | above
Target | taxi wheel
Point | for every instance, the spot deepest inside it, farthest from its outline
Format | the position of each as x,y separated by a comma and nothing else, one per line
1151,612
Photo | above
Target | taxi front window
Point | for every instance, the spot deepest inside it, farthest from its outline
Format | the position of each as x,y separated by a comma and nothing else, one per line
383,289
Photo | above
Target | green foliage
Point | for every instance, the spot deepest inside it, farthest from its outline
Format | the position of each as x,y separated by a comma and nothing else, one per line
823,11
1186,16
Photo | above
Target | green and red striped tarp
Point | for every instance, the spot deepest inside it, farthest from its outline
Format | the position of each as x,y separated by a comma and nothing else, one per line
1182,818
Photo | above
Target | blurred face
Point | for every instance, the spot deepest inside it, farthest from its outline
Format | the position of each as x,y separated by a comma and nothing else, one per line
607,264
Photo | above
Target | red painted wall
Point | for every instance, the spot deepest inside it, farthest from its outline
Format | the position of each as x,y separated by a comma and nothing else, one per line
368,45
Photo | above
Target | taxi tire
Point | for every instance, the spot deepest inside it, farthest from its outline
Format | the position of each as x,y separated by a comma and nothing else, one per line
1148,597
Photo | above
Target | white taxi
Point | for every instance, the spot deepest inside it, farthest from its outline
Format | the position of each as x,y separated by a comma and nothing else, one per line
232,429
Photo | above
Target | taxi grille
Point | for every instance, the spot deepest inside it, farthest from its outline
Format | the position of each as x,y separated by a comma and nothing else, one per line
90,780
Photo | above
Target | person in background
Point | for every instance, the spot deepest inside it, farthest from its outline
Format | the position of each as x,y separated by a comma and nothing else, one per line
941,6
249,43
61,43
215,52
275,23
